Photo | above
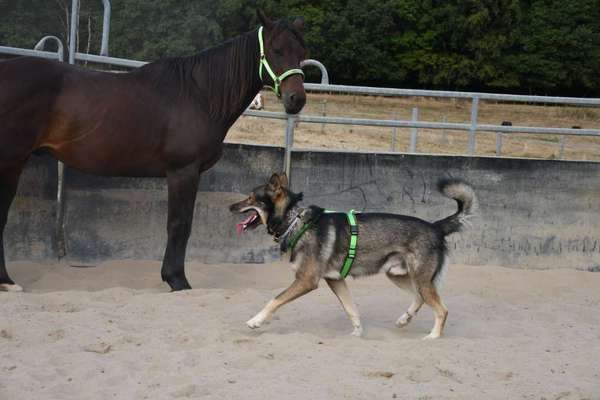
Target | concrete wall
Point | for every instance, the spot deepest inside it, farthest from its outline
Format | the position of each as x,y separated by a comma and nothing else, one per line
30,233
533,213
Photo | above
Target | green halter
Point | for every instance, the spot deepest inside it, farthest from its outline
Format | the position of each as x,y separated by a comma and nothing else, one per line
263,62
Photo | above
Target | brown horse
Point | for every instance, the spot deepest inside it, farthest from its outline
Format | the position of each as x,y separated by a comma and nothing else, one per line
168,118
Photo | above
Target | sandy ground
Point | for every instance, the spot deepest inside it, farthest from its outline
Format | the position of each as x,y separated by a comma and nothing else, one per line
113,331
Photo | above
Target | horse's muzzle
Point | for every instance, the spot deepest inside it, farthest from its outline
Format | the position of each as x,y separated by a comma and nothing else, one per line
293,101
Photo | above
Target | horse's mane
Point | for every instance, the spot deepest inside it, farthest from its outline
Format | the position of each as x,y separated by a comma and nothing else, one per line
220,75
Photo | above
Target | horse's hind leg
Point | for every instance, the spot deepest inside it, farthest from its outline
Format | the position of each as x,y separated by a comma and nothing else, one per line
9,179
183,186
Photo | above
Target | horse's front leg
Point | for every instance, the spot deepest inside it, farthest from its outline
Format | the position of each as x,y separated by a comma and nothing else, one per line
183,186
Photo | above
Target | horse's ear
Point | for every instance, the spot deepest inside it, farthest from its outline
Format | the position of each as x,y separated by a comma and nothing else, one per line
299,24
264,20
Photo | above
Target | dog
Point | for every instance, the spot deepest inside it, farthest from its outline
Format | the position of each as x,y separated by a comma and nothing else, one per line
412,252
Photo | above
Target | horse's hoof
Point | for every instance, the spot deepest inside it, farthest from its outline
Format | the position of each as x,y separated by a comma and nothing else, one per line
7,287
179,284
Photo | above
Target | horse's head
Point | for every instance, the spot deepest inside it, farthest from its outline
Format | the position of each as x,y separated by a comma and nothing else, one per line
283,51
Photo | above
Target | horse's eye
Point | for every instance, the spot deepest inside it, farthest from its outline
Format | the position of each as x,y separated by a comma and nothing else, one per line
277,51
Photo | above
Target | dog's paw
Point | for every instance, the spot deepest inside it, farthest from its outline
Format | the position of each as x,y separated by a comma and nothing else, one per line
358,331
403,320
5,287
431,336
256,321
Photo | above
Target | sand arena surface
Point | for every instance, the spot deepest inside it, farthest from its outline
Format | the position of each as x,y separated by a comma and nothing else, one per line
114,332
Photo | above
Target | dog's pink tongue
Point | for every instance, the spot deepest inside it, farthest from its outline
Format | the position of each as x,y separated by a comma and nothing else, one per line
241,226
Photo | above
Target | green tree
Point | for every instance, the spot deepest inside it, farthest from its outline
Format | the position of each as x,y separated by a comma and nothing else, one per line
535,46
151,29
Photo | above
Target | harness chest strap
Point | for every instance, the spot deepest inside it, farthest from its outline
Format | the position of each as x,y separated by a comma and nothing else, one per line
294,239
263,63
349,260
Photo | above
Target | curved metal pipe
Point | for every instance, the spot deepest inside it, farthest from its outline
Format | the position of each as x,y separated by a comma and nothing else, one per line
61,49
318,64
105,28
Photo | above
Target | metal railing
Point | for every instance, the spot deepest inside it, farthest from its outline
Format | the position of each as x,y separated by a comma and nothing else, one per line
16,51
472,127
75,28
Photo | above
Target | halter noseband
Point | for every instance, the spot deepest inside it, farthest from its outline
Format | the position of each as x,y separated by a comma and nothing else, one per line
264,63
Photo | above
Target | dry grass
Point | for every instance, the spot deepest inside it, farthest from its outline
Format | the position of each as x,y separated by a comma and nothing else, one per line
265,131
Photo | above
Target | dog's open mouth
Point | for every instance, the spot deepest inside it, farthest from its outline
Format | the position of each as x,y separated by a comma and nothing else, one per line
249,222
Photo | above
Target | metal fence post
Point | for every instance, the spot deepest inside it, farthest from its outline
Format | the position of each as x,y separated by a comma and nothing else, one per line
323,113
414,131
498,144
561,148
60,189
474,110
394,132
60,206
444,133
105,28
61,242
289,144
73,32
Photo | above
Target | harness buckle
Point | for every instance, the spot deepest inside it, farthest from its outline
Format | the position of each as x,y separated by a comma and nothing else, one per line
351,253
354,229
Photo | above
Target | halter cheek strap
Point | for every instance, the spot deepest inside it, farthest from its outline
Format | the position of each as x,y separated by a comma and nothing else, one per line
265,64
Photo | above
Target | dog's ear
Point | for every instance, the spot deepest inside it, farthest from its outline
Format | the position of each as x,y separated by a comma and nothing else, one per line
274,182
283,180
277,181
264,20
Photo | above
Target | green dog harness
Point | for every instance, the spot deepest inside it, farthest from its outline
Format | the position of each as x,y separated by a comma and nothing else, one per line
264,63
349,260
352,245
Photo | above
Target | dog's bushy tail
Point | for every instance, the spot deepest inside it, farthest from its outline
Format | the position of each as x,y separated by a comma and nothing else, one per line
467,204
